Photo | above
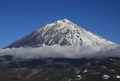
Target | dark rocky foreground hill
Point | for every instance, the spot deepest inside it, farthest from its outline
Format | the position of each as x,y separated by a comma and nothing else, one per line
59,69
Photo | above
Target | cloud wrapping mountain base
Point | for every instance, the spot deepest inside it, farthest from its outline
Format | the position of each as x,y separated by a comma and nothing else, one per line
57,51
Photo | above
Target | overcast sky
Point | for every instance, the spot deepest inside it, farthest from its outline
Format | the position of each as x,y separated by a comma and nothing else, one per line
20,17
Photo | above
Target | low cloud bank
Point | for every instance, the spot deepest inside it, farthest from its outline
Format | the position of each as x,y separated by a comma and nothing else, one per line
57,51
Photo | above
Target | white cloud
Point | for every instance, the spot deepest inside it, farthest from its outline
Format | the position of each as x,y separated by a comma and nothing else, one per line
57,51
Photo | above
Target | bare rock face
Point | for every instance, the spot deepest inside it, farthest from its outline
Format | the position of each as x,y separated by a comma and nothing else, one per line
62,32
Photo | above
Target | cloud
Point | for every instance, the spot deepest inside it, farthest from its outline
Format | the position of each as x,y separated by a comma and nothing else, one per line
57,51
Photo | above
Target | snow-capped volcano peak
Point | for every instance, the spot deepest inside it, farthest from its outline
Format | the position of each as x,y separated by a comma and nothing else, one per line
64,20
62,32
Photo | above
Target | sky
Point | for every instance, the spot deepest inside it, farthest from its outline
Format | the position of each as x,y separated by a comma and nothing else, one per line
18,18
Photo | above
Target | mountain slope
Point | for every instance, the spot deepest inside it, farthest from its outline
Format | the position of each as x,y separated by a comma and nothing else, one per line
62,32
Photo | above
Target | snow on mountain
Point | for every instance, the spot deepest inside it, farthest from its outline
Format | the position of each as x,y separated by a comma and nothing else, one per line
62,32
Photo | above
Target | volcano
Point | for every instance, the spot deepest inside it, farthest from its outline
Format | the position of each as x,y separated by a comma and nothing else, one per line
61,32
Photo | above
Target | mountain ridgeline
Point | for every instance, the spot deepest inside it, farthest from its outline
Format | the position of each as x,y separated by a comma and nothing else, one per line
62,32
